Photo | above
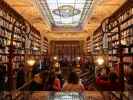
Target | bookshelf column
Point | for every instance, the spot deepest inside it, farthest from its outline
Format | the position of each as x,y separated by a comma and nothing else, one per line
120,49
11,56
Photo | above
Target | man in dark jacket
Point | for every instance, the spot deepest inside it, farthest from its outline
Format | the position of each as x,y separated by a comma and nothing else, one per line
2,77
20,76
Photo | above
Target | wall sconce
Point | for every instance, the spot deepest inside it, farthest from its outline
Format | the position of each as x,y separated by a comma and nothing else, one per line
8,42
35,48
78,58
100,61
55,57
123,42
31,62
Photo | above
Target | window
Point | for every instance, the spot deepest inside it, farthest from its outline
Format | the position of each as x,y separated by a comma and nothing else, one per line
65,13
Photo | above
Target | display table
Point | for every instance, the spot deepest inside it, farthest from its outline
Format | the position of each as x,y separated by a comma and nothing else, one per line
46,95
89,95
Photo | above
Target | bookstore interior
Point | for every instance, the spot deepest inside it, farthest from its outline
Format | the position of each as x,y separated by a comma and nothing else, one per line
66,49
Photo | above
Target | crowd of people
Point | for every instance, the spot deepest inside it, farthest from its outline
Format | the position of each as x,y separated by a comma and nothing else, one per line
53,80
49,77
109,79
50,81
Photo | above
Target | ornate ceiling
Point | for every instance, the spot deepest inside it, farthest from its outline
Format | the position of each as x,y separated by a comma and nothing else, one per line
30,10
65,13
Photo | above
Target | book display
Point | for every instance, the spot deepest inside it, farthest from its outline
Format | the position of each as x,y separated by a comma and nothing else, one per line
113,42
119,34
121,29
35,46
12,40
15,42
45,46
12,36
97,42
88,46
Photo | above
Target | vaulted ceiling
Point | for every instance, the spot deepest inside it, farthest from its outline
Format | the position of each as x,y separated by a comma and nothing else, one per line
31,11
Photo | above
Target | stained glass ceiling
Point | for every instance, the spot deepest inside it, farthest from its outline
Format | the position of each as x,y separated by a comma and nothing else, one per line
65,13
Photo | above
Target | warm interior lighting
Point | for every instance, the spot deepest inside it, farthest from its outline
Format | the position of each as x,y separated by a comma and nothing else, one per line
8,42
78,66
45,50
35,48
100,61
55,58
31,62
123,42
78,58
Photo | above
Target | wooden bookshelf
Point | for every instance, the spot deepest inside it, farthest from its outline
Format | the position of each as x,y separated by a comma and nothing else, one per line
12,39
88,46
119,30
121,27
12,35
97,41
35,40
45,47
15,34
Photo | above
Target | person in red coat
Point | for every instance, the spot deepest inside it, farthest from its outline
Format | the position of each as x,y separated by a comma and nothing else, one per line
102,82
102,79
114,85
